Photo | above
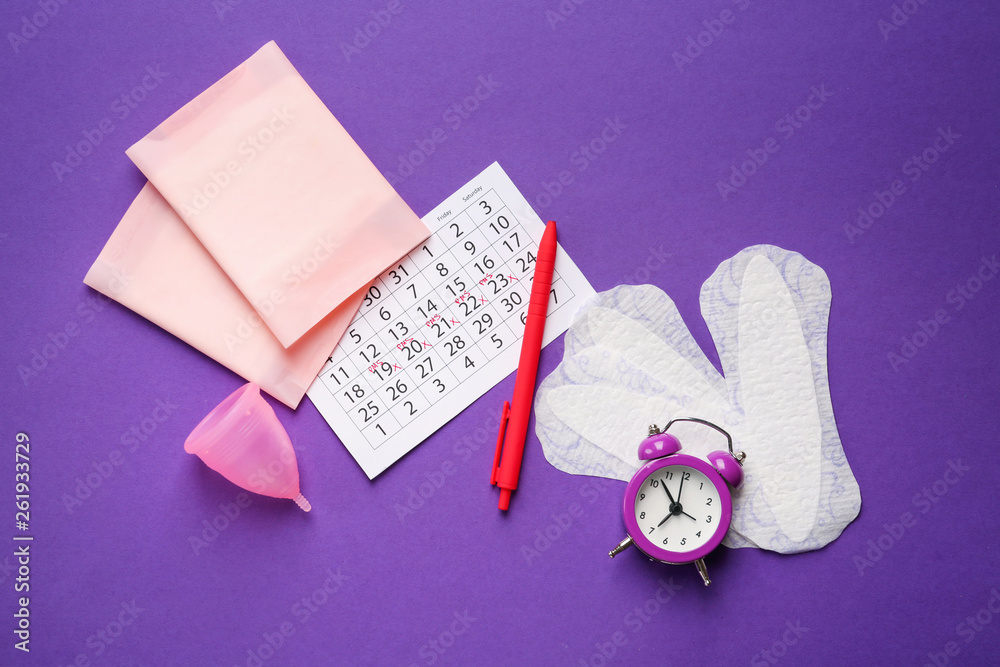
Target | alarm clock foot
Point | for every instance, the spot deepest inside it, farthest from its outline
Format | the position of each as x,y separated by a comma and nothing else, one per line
702,570
625,544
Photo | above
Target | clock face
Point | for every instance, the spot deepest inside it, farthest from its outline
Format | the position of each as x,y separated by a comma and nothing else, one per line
680,512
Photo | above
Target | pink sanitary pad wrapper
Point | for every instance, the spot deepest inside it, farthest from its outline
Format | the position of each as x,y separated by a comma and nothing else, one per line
278,193
155,266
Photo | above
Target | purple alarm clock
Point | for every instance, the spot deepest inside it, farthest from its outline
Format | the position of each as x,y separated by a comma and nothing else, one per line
677,507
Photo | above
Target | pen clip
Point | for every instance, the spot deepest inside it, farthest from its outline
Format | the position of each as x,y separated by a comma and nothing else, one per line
503,430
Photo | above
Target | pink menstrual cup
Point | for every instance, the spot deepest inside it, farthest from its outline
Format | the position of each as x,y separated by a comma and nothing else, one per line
243,440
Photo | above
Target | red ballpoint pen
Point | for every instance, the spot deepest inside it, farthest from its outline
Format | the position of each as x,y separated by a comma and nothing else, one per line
514,421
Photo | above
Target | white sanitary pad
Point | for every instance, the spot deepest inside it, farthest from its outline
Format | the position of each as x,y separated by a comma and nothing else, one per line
630,362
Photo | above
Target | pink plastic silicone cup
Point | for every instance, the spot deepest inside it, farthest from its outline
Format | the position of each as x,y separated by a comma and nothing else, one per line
243,440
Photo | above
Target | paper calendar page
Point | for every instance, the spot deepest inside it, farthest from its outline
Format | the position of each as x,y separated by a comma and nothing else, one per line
443,325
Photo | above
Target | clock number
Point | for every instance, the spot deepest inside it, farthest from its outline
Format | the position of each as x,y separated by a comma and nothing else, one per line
668,475
698,533
684,541
708,519
700,485
665,539
654,483
642,515
642,496
651,529
686,475
708,502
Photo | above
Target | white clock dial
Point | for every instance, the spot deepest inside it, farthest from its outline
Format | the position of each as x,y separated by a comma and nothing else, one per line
678,508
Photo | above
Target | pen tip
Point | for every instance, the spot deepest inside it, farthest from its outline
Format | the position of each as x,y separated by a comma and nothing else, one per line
504,499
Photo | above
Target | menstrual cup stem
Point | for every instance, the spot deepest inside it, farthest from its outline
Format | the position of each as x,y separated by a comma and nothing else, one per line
301,501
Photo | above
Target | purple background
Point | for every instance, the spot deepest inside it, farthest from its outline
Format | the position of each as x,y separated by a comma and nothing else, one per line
406,578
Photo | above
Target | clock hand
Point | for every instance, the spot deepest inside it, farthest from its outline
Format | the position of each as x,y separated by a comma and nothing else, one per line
681,488
664,520
672,501
687,515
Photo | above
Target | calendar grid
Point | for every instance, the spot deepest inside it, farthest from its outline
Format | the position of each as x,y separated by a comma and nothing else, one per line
377,391
449,314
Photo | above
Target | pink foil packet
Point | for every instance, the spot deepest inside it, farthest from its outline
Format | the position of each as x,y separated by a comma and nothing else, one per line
278,193
155,266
